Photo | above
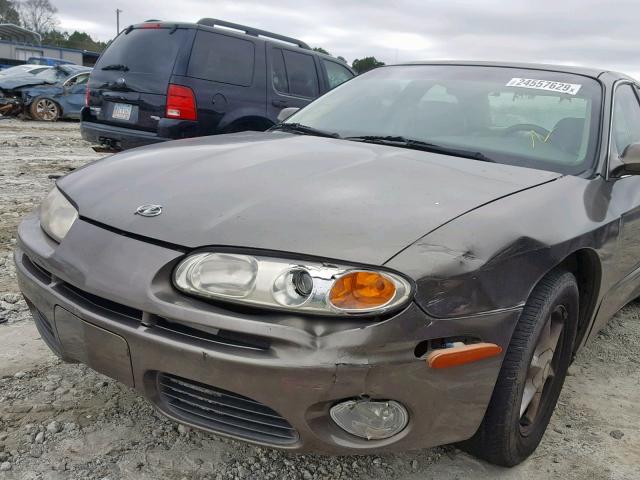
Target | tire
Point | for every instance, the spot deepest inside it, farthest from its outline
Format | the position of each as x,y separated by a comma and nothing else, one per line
44,109
506,437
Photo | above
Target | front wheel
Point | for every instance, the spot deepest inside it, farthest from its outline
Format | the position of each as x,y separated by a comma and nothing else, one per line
44,109
532,374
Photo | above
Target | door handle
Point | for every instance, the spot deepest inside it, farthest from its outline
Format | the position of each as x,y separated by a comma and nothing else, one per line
279,103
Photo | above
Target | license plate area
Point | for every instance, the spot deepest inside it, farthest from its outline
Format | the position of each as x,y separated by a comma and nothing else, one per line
122,111
106,352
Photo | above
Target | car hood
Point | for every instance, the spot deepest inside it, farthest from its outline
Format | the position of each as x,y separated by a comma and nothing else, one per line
310,195
18,81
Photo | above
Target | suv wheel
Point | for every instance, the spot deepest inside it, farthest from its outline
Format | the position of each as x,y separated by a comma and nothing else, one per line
532,374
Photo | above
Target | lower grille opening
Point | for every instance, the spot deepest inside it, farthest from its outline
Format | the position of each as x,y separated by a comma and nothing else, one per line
221,337
223,411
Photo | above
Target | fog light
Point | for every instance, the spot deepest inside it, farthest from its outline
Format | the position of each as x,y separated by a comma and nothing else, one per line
373,420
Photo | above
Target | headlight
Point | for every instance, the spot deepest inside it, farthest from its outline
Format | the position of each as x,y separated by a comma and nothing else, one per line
313,287
57,215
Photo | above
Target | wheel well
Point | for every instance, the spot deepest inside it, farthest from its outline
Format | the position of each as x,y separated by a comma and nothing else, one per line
248,123
585,266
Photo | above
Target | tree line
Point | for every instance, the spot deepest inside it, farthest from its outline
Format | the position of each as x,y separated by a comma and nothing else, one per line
360,65
40,16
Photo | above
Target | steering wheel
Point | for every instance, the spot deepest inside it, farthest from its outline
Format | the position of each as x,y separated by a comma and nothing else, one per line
526,127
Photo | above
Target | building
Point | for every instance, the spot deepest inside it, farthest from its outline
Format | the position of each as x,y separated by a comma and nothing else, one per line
18,44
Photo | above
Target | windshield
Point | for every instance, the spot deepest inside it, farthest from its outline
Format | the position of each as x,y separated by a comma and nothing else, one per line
532,118
52,75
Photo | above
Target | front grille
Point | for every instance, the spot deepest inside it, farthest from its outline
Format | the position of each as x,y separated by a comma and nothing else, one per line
46,331
37,270
102,303
221,337
222,411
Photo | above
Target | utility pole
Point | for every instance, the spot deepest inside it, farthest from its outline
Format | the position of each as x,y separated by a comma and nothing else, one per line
118,12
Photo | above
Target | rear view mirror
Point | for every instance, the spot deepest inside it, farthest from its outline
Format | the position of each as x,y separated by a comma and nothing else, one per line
286,113
630,160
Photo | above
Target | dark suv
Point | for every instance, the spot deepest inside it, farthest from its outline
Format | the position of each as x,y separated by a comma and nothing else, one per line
161,81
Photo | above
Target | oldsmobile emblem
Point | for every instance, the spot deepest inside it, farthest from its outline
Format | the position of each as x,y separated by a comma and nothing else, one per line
149,210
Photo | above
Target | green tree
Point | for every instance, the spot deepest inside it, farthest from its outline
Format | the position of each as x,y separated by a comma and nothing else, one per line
83,41
79,40
321,50
9,12
55,38
361,65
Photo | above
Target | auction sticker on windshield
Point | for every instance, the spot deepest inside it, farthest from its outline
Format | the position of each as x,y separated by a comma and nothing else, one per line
550,86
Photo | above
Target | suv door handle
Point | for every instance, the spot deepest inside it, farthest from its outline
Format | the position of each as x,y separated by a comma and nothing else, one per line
279,103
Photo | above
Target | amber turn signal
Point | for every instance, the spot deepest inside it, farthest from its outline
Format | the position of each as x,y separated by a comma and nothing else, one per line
362,290
452,357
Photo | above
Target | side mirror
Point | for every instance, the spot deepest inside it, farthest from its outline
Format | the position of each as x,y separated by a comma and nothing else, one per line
629,161
286,113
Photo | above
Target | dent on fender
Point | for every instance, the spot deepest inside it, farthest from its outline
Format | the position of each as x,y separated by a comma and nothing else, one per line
490,258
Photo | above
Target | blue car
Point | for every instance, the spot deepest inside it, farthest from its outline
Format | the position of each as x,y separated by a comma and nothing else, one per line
52,94
50,61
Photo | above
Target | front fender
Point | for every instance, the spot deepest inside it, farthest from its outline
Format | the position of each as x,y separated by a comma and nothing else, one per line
492,257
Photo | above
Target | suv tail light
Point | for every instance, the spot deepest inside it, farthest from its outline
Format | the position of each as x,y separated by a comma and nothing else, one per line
181,103
87,92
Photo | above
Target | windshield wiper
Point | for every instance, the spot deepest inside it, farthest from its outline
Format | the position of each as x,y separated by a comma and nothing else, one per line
420,145
116,66
304,129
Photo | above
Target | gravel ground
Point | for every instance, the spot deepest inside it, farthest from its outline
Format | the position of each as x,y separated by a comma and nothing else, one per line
60,421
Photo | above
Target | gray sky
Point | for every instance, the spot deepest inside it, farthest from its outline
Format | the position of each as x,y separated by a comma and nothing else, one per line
582,32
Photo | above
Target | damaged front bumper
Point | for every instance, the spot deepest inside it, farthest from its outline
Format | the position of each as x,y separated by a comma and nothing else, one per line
10,104
268,378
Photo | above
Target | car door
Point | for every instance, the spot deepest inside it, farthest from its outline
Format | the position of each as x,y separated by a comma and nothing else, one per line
625,199
73,97
293,82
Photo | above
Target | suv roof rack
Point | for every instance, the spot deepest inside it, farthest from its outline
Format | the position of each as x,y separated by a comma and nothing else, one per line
255,32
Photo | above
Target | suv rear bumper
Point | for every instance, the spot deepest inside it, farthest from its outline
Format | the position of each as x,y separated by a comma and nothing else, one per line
126,137
119,138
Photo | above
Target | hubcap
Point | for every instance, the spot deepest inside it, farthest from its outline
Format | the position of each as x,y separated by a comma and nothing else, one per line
542,369
46,109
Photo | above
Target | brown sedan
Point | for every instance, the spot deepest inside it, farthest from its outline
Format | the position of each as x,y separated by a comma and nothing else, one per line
411,260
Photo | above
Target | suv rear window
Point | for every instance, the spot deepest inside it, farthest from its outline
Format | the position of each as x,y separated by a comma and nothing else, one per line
144,50
222,58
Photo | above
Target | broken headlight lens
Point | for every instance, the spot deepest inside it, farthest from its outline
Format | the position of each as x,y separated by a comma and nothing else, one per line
57,215
313,287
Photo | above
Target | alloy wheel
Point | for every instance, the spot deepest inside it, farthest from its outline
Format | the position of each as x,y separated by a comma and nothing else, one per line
543,367
46,109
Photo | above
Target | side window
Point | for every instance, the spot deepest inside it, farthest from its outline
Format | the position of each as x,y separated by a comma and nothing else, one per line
337,73
301,74
279,74
221,58
626,118
79,80
82,79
